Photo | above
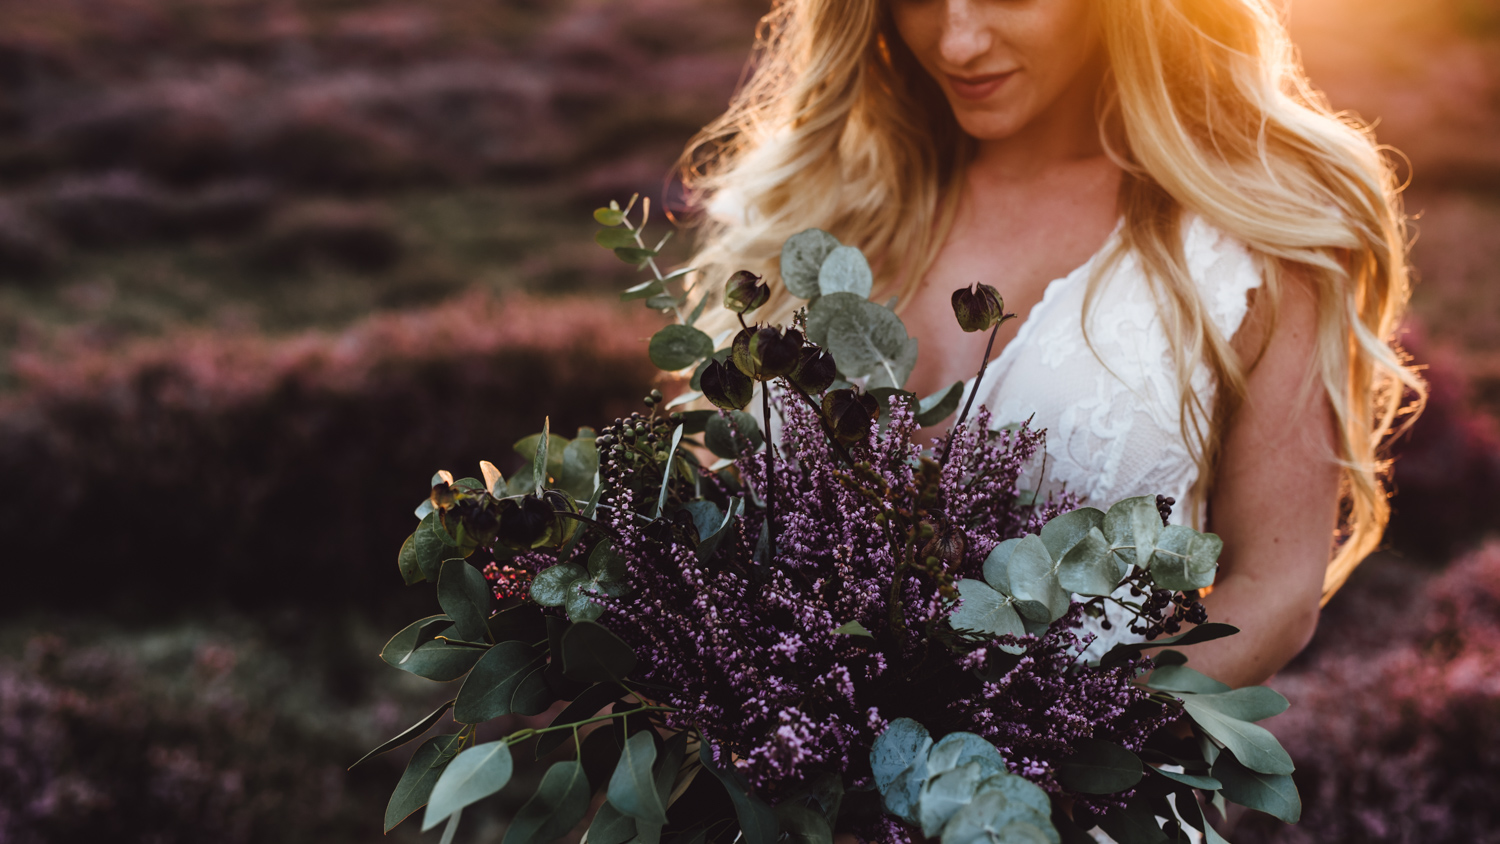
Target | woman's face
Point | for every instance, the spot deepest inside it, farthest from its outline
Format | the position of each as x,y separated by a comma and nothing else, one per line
1003,63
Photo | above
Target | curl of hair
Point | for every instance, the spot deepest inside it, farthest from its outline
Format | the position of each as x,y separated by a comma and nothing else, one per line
1205,108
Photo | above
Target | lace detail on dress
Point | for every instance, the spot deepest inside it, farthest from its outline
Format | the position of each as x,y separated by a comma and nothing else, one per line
1111,411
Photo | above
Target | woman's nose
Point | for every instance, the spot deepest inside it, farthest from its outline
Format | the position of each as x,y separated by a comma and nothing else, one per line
965,36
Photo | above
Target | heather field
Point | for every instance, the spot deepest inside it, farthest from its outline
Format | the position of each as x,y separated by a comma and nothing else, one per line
267,264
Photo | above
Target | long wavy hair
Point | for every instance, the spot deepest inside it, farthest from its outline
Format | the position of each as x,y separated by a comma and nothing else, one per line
1205,108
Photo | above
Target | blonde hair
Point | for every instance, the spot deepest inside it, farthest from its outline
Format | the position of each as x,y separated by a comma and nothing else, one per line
1205,108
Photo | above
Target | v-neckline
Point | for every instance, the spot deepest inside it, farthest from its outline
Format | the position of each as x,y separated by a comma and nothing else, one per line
1002,361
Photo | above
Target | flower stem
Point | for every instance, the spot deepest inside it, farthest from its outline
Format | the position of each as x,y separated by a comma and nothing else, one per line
968,405
765,406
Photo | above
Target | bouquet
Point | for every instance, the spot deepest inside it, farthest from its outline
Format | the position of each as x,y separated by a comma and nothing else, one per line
830,630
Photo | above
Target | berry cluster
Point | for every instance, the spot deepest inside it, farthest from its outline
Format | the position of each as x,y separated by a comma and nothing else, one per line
639,441
1164,612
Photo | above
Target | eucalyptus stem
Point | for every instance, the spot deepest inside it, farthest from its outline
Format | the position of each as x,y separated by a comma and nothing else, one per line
650,262
765,406
522,735
968,405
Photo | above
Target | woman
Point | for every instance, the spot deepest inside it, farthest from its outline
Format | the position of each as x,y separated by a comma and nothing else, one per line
1208,263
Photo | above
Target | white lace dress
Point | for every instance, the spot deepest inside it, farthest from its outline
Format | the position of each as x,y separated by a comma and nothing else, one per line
1111,412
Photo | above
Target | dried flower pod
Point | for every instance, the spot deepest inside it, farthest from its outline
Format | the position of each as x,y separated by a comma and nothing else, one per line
815,371
726,386
767,353
744,293
946,545
978,308
850,414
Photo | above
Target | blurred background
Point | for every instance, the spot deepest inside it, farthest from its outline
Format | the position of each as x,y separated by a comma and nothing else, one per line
265,265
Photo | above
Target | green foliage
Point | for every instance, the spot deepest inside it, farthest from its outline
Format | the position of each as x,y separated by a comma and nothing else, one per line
1100,767
422,773
560,802
488,691
473,775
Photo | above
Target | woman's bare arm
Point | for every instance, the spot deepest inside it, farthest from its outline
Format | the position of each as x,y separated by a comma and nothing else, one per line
1276,501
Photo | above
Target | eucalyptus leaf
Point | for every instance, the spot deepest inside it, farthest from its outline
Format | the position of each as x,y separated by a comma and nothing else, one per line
520,623
632,789
1189,780
940,405
464,595
560,801
585,706
541,465
403,643
1252,745
678,347
707,545
1274,794
408,734
553,585
489,689
1087,568
533,695
634,255
645,290
945,793
422,772
1185,559
757,821
1131,526
996,566
1193,813
431,545
406,561
961,748
845,270
441,661
1250,703
605,565
472,776
579,464
1099,767
898,758
581,605
983,610
1136,824
732,434
592,654
611,826
1201,633
1033,577
1180,678
802,257
613,238
802,825
1063,532
609,216
1018,789
853,628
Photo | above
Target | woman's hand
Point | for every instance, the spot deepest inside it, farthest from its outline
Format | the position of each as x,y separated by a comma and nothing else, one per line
1275,501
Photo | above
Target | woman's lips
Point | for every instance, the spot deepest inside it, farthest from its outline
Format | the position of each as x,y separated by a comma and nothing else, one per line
978,87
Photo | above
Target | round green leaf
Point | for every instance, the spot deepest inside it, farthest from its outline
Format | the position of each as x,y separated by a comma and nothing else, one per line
1063,532
464,595
1088,566
1033,579
1185,559
614,238
609,216
678,347
946,793
1132,526
957,749
845,270
802,257
996,566
733,436
1099,767
489,689
581,605
553,586
983,610
472,776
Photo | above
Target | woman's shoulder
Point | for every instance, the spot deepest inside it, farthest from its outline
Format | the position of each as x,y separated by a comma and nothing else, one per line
1224,268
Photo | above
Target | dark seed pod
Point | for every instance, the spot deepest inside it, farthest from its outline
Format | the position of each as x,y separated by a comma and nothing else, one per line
850,414
978,308
726,386
744,293
767,353
815,371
